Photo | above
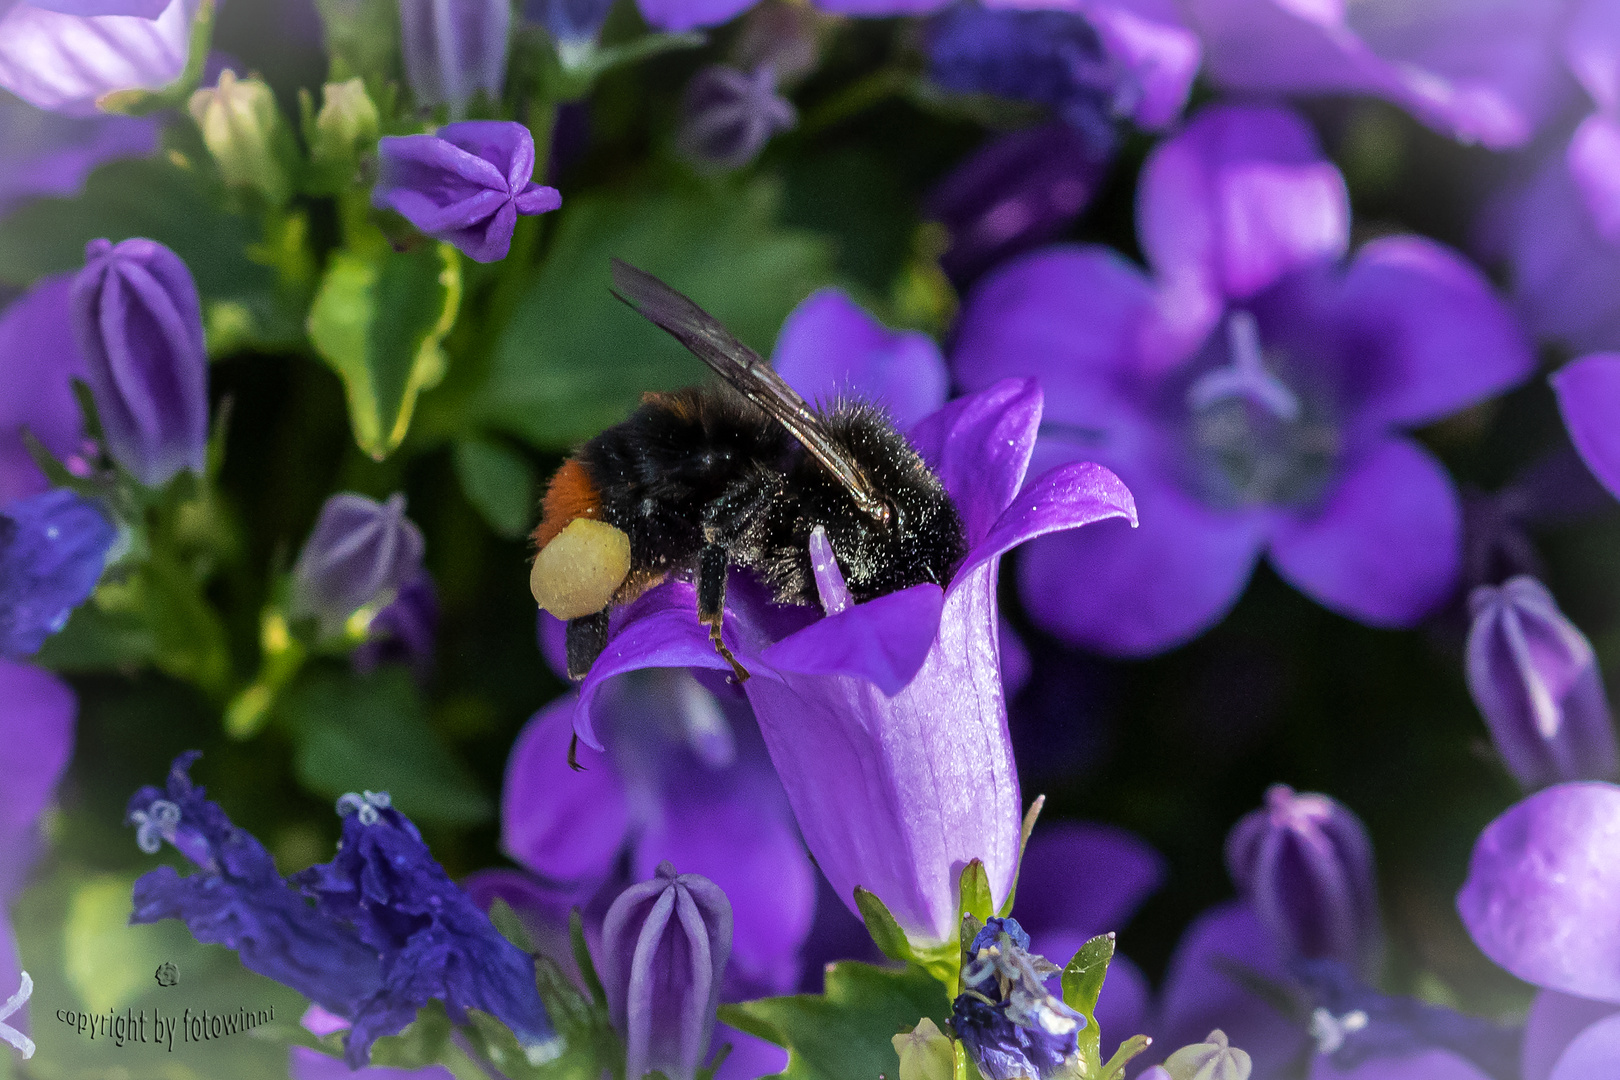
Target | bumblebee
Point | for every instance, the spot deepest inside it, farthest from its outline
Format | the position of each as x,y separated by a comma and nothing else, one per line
738,473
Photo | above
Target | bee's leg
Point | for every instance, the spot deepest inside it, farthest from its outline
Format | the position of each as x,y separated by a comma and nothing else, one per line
573,753
713,562
587,637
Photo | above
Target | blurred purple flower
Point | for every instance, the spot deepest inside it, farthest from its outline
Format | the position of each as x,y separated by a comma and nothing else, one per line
466,185
680,15
360,552
569,21
38,361
1536,681
405,630
36,726
1589,397
1570,1038
1014,192
665,943
455,49
53,547
1478,70
64,54
728,115
1251,392
1304,863
138,321
1013,1027
1555,490
47,154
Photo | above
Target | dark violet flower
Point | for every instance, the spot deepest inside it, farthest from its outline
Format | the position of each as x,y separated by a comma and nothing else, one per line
728,115
405,630
1251,393
38,361
1478,70
138,321
455,49
1589,397
665,943
1304,863
1016,191
466,185
53,547
360,553
47,154
432,940
63,55
1536,681
1009,1021
569,21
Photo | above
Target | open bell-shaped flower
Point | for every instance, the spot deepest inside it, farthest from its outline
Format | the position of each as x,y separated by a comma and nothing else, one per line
728,115
360,552
665,944
52,549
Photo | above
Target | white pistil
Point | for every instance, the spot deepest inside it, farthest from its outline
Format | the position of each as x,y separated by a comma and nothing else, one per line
1246,377
1330,1032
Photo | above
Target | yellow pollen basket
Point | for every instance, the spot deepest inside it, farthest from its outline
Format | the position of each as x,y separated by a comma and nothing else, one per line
579,571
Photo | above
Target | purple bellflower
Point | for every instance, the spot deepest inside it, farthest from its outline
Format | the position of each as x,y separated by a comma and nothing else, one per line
1589,396
405,631
1481,71
38,361
1536,681
138,321
361,552
36,726
63,55
665,943
47,154
569,21
680,15
454,49
728,115
1304,863
466,185
1012,1025
1251,392
53,547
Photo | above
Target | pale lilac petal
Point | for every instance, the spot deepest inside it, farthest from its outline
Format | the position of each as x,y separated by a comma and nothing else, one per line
1088,879
1542,897
751,1057
36,727
884,640
1386,545
1431,335
678,15
1592,51
564,825
38,360
1554,1021
1594,1055
980,446
1589,396
48,154
142,9
65,62
1594,162
882,7
1069,496
830,347
1423,1065
306,1064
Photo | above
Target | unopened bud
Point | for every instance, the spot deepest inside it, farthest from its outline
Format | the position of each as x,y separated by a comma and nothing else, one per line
346,127
243,130
1212,1059
925,1053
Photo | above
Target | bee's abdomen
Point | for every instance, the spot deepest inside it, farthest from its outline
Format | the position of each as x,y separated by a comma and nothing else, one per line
571,494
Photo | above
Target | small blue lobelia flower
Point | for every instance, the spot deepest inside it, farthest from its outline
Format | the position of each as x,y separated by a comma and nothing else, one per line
1304,862
465,185
454,49
1536,681
432,941
1009,1021
360,552
665,944
138,322
728,115
52,549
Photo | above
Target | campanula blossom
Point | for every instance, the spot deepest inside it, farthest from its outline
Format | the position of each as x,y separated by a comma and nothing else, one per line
728,115
1536,681
1304,863
405,631
63,55
45,154
665,943
569,22
53,547
138,321
465,185
1589,396
360,552
38,361
1483,72
454,50
1251,391
1011,1024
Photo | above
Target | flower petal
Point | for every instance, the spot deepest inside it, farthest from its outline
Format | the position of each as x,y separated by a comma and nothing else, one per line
1589,397
751,1057
1542,897
1592,51
678,15
1594,162
1593,1053
1386,545
65,62
1075,493
980,446
1554,1021
884,640
306,1064
38,360
141,9
1059,886
1422,1065
36,727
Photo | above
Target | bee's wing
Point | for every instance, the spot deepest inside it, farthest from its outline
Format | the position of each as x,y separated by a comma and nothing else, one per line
745,370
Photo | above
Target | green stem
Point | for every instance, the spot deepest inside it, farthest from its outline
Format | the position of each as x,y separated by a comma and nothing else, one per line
855,98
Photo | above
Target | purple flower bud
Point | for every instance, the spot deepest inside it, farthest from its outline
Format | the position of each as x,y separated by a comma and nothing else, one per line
727,115
453,49
1305,863
665,944
1536,682
404,631
1011,1024
360,552
138,322
466,185
52,549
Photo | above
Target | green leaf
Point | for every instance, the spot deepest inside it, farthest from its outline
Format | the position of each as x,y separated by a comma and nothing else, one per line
847,1031
885,930
1083,975
582,958
96,640
1122,1057
370,733
377,320
422,1042
574,360
499,482
976,899
1030,817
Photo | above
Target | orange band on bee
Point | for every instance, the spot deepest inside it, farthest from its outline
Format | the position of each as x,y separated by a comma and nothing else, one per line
571,494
